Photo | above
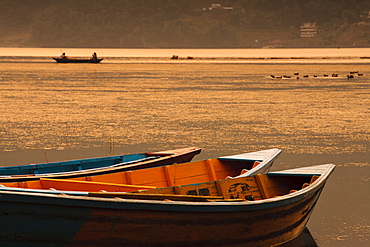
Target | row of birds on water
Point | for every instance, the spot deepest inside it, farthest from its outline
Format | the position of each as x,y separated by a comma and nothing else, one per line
351,75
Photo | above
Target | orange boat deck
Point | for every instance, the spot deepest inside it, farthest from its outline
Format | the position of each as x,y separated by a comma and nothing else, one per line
157,177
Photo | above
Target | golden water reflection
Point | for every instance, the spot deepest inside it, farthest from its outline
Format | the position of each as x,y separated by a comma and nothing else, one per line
223,108
210,105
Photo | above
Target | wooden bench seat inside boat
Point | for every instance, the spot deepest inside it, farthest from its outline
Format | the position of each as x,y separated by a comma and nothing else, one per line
257,187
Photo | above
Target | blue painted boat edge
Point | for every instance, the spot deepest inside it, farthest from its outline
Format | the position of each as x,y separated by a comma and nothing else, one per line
93,164
28,169
172,156
99,168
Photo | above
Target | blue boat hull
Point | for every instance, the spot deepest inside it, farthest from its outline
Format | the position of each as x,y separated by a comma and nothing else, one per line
96,166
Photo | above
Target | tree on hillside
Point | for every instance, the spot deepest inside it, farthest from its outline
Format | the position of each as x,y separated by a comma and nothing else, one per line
168,23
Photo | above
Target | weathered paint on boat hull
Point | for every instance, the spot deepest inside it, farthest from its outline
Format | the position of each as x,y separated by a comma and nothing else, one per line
258,228
78,223
63,220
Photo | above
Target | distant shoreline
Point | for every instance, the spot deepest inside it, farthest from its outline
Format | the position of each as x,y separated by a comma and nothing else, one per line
231,48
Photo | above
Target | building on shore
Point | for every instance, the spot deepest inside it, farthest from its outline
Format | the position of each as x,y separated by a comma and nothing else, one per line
308,30
215,6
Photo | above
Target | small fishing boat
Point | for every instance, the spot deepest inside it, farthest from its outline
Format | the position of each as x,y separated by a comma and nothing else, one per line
77,60
258,210
94,166
155,177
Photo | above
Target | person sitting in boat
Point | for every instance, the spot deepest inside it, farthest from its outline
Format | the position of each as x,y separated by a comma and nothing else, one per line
63,56
94,57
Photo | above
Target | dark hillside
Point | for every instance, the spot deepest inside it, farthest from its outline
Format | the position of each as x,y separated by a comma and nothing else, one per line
185,23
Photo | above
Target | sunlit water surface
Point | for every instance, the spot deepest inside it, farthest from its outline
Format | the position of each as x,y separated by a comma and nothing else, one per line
224,101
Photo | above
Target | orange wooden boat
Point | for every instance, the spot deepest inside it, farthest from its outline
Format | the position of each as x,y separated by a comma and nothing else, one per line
156,177
258,210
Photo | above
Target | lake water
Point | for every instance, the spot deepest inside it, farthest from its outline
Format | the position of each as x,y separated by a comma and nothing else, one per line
224,101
